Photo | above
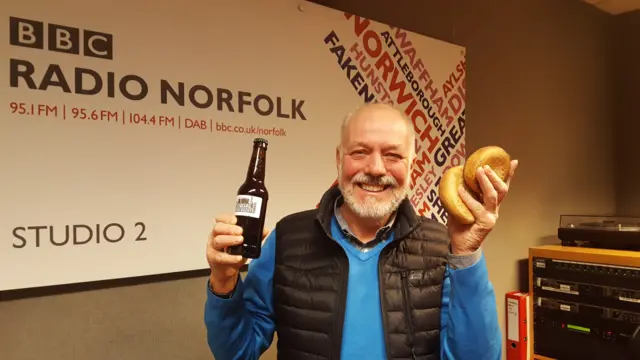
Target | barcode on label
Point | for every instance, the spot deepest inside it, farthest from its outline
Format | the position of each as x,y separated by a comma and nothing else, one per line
247,205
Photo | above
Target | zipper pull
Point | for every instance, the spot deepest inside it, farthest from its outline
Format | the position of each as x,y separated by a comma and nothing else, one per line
413,354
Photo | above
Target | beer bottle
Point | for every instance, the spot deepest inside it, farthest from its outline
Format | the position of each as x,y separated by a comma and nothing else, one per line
251,203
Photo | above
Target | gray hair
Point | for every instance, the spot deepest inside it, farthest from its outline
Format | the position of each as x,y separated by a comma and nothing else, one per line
389,104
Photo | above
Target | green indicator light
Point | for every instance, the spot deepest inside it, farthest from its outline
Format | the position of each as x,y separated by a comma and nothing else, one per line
578,328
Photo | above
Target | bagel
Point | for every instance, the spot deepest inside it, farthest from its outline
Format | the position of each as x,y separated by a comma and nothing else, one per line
494,156
451,201
499,161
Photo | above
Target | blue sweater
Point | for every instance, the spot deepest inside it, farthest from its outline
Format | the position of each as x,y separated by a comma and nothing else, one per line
242,327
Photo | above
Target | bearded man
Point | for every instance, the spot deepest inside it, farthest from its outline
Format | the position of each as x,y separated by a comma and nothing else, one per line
362,276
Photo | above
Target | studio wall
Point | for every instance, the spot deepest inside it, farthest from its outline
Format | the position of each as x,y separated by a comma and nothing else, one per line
537,84
627,126
118,149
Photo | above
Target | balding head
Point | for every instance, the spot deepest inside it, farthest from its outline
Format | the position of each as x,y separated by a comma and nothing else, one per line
374,159
380,109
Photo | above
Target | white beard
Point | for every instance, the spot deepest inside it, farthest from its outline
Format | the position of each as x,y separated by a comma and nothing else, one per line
372,208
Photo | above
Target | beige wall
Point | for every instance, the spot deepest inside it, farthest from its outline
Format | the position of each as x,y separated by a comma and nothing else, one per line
538,83
627,126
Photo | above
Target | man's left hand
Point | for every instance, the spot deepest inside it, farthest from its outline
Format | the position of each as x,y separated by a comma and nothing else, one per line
466,239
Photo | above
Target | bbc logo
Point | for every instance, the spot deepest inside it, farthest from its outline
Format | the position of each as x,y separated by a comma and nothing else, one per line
59,38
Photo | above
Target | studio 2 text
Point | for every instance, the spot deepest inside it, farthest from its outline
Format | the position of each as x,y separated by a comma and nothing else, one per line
36,236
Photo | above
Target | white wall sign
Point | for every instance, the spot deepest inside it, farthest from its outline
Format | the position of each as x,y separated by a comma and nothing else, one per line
124,129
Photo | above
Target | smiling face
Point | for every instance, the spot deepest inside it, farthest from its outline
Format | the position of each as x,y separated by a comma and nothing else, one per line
374,161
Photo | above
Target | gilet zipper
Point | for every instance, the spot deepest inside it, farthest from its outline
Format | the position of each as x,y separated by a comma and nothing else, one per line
338,326
407,312
382,257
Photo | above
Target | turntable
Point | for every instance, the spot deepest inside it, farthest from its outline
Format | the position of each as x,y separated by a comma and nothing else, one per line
605,232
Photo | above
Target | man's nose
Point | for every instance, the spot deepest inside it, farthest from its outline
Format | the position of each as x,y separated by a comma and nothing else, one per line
376,166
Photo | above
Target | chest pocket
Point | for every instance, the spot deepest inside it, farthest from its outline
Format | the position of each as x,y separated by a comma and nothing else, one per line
421,289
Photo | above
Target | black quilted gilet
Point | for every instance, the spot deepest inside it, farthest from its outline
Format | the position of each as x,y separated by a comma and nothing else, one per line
310,283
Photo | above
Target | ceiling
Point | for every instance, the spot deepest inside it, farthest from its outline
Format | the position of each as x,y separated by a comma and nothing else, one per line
615,7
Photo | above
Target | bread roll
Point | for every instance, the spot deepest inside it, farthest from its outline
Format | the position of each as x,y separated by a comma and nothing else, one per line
465,175
451,201
494,156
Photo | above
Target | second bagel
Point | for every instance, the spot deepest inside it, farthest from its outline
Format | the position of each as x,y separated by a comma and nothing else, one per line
451,180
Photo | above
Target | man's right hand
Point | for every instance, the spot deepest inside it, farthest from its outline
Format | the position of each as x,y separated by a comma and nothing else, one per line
225,267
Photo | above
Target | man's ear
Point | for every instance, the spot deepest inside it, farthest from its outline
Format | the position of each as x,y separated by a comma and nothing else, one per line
337,156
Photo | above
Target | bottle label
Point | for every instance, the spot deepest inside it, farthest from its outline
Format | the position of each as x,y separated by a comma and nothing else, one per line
247,205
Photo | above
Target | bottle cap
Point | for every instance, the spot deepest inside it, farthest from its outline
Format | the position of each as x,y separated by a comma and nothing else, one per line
260,141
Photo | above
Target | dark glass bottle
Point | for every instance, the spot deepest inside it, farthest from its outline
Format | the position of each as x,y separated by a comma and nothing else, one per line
251,203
